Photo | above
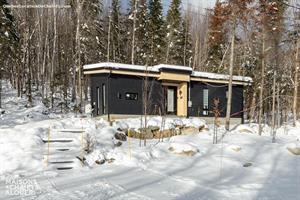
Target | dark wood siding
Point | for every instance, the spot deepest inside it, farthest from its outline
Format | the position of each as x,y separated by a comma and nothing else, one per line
118,85
97,81
122,84
215,91
237,101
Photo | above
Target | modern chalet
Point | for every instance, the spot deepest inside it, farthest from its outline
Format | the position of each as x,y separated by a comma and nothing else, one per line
118,90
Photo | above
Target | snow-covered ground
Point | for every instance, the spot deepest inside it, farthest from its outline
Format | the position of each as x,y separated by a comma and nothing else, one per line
242,165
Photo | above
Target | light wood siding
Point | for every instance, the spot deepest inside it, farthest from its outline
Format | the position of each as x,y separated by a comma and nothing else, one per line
182,98
174,76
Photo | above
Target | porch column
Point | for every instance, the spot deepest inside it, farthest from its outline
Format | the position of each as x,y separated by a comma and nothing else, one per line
182,99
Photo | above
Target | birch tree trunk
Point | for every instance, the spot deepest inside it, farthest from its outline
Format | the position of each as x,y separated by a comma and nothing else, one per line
296,83
73,63
261,89
229,100
279,110
28,60
108,37
39,53
0,87
53,63
252,107
46,46
196,53
133,32
273,106
145,102
78,52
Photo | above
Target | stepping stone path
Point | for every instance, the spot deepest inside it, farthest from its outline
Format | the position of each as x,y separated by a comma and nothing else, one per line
63,148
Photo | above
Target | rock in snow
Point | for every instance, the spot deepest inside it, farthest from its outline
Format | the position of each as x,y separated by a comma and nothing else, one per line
120,136
183,149
236,148
294,148
248,164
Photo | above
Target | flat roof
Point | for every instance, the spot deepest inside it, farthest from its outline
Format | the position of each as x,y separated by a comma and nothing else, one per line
110,65
158,68
220,76
172,67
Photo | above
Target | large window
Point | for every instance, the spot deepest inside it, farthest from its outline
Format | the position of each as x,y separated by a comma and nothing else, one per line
103,99
98,101
205,102
171,100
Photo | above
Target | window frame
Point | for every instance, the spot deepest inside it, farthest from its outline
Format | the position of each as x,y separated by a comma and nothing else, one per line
103,98
133,96
205,98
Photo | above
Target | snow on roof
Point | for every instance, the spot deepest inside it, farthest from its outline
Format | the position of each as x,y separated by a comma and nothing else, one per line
117,66
220,76
176,67
157,68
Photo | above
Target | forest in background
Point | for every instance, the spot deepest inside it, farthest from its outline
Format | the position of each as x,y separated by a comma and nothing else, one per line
42,50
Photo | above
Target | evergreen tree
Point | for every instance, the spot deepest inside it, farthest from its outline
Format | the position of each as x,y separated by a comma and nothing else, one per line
186,43
142,33
217,36
92,32
131,27
156,33
116,54
9,37
272,14
9,41
174,30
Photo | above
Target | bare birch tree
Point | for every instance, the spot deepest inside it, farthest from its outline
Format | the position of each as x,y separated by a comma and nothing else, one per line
261,88
78,52
133,32
229,98
295,95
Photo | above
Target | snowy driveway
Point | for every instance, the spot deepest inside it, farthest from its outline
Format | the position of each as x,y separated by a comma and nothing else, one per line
194,180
